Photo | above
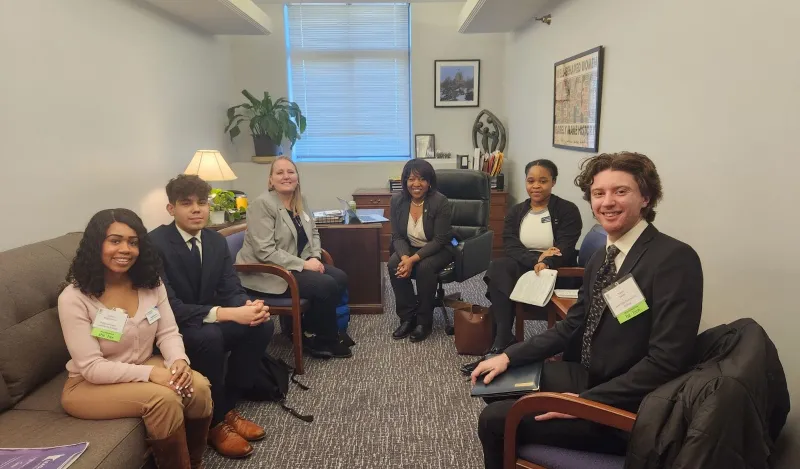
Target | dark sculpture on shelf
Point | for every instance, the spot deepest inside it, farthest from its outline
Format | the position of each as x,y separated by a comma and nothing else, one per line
493,133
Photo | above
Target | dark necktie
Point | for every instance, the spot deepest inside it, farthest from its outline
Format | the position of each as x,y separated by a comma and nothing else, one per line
605,276
197,264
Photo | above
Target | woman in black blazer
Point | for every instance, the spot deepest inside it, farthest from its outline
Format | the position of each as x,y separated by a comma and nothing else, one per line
539,233
421,235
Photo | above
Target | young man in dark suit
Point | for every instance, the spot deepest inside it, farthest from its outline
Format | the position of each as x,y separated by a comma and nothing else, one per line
213,312
611,355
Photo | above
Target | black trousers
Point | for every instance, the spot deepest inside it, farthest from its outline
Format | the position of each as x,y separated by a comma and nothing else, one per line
324,291
566,433
501,277
206,347
420,304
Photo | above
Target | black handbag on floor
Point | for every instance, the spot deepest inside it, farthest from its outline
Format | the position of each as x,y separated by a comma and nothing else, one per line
272,384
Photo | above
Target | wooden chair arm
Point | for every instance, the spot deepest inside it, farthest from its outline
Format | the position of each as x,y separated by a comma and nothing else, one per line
557,402
273,269
326,258
570,272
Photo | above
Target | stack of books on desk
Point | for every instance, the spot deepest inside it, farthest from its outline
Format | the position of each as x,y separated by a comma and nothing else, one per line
329,216
396,185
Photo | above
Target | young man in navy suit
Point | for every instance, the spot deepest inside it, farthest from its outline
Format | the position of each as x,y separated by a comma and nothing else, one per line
613,353
213,312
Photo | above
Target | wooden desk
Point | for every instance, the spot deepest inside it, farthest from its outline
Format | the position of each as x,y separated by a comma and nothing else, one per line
557,308
380,198
356,250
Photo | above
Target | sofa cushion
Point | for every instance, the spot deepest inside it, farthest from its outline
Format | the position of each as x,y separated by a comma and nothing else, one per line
113,444
45,397
32,348
553,457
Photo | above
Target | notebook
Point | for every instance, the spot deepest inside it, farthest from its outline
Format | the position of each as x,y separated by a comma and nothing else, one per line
565,293
355,217
535,289
514,382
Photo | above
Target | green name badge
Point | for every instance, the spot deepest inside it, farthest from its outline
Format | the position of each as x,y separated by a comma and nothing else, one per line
625,299
109,324
108,335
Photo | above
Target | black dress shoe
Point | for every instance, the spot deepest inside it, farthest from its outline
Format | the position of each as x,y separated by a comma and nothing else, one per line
421,332
314,347
404,330
345,339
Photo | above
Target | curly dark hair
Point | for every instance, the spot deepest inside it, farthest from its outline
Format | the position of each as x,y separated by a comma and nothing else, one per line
186,185
422,169
637,165
87,271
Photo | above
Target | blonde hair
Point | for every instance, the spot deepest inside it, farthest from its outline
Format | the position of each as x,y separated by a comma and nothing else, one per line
296,204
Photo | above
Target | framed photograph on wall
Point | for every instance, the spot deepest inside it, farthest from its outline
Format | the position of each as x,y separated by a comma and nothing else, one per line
424,146
457,83
577,91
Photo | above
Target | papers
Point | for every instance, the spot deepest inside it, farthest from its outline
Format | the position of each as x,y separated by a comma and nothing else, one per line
56,457
329,216
535,289
563,293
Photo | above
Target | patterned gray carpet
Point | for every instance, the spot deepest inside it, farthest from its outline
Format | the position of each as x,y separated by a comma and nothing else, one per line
393,405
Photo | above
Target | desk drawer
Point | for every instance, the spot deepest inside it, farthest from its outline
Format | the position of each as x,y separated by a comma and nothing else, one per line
372,201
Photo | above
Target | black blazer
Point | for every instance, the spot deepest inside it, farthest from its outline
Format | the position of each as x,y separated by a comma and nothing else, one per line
632,359
566,223
219,285
436,222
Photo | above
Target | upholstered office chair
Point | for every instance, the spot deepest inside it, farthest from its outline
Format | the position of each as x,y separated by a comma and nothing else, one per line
294,307
550,457
594,240
469,195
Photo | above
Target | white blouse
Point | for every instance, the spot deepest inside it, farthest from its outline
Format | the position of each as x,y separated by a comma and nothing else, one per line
416,232
536,231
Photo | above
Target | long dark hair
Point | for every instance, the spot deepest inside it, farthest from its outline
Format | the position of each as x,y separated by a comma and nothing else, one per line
421,168
87,271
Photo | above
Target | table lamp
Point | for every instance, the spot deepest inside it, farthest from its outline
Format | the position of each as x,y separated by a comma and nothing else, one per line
209,165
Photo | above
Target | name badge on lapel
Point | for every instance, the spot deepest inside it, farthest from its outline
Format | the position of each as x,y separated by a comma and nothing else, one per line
625,299
153,315
546,219
109,324
305,215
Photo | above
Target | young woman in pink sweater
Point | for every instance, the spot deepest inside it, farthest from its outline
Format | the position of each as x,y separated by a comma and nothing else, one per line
113,311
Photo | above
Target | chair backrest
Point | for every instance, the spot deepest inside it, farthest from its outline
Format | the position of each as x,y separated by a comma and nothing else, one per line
469,195
235,242
595,239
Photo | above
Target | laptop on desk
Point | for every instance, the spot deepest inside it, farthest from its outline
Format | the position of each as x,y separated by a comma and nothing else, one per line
354,217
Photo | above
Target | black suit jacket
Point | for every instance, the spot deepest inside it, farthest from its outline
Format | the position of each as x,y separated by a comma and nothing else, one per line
632,359
219,284
436,222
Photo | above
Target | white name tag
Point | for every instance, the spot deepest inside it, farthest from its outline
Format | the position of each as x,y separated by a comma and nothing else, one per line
305,215
109,324
153,315
625,299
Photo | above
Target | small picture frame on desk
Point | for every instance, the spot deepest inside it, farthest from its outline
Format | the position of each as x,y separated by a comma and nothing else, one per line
424,146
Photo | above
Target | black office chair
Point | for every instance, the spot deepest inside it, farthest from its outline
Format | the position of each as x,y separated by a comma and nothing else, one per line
469,195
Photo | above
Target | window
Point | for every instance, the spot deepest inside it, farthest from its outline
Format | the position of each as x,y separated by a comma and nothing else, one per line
349,73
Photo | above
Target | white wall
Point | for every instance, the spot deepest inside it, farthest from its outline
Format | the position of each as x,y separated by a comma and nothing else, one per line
710,92
259,64
102,101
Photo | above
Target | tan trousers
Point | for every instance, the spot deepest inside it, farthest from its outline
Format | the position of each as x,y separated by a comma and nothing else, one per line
160,407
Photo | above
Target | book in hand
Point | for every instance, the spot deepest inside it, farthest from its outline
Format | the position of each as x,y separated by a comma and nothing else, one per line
54,457
535,289
514,382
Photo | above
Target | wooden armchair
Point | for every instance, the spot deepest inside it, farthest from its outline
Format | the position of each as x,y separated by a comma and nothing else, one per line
293,307
550,457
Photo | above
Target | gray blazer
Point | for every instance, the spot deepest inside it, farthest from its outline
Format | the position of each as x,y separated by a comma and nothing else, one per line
271,238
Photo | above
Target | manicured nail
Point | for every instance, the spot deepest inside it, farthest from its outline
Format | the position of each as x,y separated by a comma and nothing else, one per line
170,383
173,372
191,390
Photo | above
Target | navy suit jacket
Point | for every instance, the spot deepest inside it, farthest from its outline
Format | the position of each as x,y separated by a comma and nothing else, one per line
219,284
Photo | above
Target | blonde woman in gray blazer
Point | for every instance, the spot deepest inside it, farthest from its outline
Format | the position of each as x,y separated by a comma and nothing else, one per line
281,231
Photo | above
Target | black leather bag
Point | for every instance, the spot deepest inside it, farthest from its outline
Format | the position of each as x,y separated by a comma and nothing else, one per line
272,384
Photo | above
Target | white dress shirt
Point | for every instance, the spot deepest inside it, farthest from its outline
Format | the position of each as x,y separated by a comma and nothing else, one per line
187,238
626,242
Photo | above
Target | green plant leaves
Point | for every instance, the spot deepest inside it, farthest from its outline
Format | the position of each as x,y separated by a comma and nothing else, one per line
277,120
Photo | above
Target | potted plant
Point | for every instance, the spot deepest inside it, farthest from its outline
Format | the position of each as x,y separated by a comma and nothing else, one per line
221,202
269,122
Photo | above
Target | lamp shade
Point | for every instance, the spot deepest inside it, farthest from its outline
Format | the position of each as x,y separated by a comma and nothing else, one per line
209,165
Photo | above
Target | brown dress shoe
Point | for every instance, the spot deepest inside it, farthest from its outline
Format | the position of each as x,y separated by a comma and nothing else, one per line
245,428
224,439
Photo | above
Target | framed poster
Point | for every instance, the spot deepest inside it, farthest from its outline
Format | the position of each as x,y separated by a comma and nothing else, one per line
424,146
457,83
577,89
